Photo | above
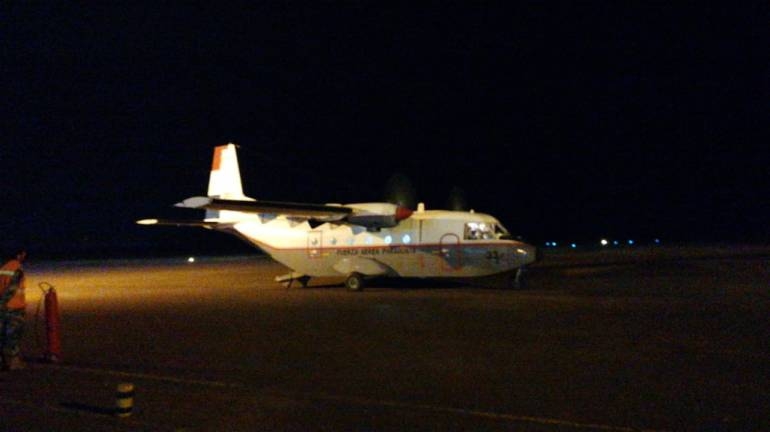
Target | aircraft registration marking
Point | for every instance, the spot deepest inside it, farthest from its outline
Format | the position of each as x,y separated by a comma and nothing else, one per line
376,251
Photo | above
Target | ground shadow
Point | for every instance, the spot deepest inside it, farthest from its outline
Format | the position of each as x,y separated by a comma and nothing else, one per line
93,409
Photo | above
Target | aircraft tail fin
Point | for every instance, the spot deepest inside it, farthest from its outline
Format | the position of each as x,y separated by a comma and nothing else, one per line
225,180
225,177
224,184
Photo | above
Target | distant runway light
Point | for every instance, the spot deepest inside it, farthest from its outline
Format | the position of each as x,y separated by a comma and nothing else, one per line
657,241
191,259
615,243
573,245
604,242
631,242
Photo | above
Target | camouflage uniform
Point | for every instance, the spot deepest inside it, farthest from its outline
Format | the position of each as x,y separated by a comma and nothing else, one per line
11,331
12,312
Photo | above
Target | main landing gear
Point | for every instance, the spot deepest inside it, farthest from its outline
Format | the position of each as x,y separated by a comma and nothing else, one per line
355,282
287,280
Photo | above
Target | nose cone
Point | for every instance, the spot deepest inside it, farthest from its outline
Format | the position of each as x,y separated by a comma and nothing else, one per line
533,254
527,254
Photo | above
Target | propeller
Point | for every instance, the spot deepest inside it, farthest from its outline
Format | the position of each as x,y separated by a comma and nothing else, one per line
399,191
457,200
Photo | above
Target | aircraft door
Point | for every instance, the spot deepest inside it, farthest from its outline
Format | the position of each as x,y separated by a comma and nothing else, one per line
314,244
451,252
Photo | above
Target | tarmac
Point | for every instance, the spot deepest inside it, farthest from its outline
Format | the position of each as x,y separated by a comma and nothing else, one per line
623,340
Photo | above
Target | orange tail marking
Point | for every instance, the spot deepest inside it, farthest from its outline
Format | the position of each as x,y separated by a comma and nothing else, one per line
217,157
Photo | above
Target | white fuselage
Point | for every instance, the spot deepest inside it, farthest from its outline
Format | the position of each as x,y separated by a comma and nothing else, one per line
369,239
433,243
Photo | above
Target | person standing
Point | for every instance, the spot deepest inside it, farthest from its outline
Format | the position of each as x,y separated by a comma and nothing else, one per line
12,310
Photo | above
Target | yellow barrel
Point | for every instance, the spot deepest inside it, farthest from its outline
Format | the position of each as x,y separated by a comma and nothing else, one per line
124,400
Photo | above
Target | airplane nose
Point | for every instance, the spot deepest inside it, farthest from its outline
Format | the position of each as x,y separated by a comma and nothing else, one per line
527,253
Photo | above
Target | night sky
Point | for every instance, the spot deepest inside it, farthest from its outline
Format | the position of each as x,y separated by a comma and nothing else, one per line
568,122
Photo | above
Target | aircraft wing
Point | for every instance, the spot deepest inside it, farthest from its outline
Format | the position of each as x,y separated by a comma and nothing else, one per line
310,211
175,222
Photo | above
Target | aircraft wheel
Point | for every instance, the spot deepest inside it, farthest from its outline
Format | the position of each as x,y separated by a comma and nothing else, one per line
304,280
355,282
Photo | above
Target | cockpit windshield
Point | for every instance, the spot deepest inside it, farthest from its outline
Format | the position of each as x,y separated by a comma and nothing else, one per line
501,232
485,231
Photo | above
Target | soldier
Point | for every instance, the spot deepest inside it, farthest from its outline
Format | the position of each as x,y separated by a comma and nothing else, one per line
12,309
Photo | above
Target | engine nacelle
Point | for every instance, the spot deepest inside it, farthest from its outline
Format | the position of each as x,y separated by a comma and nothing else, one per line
374,216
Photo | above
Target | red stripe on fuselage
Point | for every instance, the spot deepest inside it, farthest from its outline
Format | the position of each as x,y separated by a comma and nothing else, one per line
416,246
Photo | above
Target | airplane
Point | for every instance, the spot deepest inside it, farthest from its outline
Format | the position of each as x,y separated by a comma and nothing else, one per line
357,241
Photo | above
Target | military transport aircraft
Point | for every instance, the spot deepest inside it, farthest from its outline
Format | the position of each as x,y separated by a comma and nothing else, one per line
355,240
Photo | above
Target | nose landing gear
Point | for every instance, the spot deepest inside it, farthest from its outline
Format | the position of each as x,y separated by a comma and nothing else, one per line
518,279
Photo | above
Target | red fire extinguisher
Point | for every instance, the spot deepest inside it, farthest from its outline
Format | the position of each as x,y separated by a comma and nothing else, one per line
52,324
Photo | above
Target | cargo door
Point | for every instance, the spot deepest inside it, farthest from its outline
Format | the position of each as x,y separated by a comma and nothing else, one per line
451,253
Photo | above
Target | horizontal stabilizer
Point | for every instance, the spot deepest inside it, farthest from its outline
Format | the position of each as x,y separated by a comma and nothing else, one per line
329,212
172,222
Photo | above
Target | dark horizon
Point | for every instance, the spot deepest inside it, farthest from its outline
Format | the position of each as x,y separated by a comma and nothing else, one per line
568,122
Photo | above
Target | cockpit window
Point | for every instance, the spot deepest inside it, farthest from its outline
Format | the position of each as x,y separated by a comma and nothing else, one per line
501,232
485,231
479,231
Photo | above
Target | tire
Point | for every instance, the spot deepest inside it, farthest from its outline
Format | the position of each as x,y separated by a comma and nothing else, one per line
354,282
